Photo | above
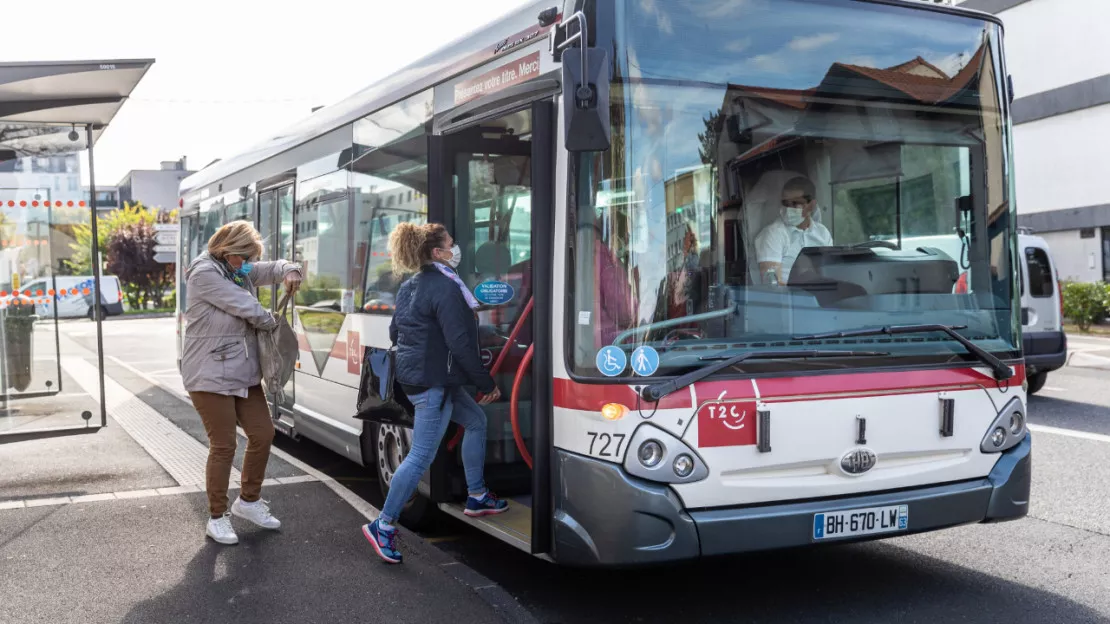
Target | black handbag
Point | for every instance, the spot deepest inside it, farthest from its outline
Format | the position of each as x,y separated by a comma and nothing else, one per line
381,365
378,397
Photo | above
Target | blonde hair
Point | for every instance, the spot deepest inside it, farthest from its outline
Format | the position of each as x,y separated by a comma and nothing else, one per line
238,238
411,245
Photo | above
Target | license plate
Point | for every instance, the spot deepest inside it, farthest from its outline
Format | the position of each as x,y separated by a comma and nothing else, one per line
855,522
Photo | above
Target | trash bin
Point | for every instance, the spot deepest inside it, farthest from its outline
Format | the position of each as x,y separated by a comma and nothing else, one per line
19,343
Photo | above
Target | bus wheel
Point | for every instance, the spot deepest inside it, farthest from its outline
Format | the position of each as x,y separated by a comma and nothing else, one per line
1036,382
391,443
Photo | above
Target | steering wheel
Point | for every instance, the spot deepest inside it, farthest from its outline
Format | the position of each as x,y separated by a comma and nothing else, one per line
672,336
875,243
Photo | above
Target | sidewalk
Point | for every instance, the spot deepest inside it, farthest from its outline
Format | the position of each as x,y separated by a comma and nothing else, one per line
109,527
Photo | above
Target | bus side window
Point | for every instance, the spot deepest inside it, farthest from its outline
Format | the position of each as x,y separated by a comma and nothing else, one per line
389,189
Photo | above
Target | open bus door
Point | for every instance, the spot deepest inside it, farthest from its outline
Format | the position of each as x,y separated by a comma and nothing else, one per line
496,200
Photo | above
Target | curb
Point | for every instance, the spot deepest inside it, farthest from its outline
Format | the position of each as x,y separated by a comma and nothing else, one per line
504,603
127,317
497,597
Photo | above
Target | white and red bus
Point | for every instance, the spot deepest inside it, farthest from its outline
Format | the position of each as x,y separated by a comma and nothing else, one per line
615,173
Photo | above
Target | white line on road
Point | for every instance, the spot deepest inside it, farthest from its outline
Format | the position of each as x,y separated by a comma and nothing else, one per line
1054,389
354,500
1071,433
21,503
179,453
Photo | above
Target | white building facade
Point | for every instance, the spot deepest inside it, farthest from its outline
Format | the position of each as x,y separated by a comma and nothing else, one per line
1057,54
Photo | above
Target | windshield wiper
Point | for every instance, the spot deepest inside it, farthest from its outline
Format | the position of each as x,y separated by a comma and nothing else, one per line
654,392
997,366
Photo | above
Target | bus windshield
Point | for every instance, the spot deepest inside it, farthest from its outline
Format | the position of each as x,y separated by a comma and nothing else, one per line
795,167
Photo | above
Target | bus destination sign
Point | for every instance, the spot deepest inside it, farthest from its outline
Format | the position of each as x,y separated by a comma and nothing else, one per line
515,72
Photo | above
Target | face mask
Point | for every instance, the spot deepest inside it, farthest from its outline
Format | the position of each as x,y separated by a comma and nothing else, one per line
244,269
456,257
792,216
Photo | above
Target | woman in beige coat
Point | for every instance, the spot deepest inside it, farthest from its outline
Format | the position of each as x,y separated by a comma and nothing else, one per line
220,367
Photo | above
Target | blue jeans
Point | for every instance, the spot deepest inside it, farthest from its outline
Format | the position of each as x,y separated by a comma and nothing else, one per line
435,409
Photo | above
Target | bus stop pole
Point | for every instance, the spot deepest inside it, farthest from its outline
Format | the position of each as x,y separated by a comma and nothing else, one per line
96,275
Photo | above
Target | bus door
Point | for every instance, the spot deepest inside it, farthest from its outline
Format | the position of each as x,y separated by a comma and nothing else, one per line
275,223
488,204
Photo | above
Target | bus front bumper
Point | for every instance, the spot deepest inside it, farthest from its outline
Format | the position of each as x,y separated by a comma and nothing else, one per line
604,517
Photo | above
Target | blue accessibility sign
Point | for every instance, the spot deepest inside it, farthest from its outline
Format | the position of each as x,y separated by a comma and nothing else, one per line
611,361
493,292
645,361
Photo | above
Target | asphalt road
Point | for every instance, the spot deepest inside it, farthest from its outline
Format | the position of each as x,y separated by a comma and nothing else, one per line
1049,567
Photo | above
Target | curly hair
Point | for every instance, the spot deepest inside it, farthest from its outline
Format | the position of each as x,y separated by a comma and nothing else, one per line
411,245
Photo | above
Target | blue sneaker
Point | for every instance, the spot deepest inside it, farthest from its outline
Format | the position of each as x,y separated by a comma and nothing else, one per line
487,506
384,542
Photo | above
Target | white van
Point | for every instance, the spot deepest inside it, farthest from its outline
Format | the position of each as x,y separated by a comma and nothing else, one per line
1042,311
75,296
1042,316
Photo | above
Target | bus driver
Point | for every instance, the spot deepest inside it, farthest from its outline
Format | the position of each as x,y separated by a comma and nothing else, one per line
779,244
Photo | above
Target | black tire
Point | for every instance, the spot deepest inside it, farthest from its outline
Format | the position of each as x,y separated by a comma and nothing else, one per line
388,446
94,309
1036,382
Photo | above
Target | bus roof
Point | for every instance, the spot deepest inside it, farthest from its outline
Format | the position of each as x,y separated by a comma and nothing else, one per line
466,52
469,50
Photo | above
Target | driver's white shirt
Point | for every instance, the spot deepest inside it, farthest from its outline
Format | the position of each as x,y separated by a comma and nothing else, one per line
779,242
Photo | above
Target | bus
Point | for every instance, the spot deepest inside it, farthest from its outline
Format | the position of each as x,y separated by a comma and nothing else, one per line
618,176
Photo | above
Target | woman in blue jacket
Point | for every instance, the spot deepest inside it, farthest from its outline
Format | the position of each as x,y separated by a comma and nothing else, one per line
435,329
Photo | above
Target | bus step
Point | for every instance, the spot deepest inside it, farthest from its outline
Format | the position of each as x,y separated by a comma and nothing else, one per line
514,526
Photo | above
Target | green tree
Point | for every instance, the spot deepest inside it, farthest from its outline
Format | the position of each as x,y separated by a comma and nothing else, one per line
131,259
80,263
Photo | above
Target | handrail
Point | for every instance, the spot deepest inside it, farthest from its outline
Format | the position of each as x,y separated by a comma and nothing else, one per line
497,363
513,415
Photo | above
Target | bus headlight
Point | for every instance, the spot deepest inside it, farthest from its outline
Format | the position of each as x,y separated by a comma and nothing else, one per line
683,465
1007,430
650,453
662,457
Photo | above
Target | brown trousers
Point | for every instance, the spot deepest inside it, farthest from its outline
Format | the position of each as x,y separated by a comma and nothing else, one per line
220,413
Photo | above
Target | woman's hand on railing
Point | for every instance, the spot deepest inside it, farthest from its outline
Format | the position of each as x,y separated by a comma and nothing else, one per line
292,281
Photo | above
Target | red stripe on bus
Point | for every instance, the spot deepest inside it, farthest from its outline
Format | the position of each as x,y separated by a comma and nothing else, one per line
570,395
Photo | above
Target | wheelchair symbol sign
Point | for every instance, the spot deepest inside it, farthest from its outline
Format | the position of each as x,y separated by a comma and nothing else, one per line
611,361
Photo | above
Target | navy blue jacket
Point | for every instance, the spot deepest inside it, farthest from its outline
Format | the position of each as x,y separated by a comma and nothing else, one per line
436,334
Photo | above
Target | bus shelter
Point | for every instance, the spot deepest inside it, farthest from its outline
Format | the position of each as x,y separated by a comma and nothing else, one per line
52,369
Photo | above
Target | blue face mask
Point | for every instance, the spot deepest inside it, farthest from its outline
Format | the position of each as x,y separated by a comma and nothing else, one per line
245,269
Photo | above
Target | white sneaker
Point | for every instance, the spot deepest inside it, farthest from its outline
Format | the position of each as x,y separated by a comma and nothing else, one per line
257,512
220,530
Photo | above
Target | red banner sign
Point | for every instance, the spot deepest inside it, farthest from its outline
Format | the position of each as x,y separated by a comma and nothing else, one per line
515,72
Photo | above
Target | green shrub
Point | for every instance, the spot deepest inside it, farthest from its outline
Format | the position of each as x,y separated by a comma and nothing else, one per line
1085,303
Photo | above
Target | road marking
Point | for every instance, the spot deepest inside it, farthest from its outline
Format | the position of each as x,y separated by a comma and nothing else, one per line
358,503
1070,433
180,454
1054,389
22,503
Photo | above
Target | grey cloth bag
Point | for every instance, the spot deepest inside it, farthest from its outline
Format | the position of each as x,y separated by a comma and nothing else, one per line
277,353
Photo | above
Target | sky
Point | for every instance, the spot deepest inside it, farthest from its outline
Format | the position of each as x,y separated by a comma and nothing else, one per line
231,73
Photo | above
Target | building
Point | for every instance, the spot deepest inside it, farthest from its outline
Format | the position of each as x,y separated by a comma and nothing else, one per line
107,197
1061,78
155,188
52,177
